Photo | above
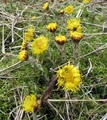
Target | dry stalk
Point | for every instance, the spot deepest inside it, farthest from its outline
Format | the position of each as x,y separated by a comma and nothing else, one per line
12,66
96,25
104,117
19,114
90,68
78,100
3,41
56,110
67,105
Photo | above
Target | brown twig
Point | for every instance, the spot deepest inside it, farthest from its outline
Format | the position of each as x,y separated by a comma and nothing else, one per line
48,91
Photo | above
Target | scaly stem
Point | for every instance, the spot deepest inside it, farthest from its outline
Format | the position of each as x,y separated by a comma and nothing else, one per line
76,52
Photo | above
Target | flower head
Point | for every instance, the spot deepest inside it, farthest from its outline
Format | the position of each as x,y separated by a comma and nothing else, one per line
86,1
30,103
61,11
73,24
69,78
51,27
23,55
30,30
79,29
29,34
61,0
45,6
39,45
76,36
24,45
69,9
33,17
60,39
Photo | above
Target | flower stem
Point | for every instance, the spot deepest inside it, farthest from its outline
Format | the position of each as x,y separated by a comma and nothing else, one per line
76,52
60,48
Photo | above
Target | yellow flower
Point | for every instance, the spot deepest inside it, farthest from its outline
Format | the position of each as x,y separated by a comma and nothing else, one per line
39,45
51,27
60,39
45,6
29,34
61,0
33,17
73,24
69,9
79,29
31,29
69,78
23,55
24,45
30,103
76,36
61,11
70,86
86,1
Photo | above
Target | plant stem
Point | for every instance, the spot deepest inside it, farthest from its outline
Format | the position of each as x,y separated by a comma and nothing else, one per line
76,53
34,116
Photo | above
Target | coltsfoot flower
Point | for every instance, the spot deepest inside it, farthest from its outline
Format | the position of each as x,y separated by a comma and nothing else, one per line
76,36
69,78
23,55
45,6
33,17
86,1
61,0
61,11
24,45
30,29
51,27
39,45
29,34
30,103
69,9
73,24
79,29
60,39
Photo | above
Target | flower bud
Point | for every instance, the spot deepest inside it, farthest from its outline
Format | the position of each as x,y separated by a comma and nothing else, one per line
51,27
76,36
60,39
23,55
